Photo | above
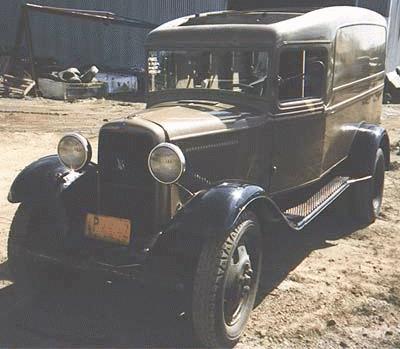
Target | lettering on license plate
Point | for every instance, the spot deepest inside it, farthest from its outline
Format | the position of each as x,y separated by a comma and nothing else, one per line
111,229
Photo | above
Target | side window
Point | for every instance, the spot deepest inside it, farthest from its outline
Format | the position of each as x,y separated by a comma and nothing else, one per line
302,73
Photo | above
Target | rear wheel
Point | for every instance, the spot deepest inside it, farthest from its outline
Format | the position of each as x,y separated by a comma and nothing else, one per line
368,195
226,283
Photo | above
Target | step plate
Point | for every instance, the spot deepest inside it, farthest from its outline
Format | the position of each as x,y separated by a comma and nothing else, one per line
319,198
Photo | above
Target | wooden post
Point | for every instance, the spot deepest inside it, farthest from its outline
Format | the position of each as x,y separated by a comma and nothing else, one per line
28,37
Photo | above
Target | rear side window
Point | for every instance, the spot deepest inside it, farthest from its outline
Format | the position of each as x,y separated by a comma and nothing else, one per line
360,52
302,73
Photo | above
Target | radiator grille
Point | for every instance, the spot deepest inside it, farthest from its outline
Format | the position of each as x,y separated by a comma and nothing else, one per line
123,158
127,189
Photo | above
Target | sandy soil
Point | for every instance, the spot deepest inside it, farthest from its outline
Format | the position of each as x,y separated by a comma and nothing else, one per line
335,285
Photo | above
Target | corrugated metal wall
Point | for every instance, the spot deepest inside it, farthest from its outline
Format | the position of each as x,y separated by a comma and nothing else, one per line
76,42
393,52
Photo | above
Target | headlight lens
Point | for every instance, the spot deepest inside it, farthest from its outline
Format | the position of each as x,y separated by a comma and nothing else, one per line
167,163
74,151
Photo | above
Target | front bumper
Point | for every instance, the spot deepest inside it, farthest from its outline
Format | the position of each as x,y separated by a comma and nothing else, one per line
156,271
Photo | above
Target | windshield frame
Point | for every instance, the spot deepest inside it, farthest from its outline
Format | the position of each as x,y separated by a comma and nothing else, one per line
255,48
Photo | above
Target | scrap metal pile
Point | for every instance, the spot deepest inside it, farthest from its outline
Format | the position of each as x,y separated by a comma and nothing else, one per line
71,84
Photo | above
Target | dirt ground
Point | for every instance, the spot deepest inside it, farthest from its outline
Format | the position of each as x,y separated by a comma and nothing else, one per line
335,285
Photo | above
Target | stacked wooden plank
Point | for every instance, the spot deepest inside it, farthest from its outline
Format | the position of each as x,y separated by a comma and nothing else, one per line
11,86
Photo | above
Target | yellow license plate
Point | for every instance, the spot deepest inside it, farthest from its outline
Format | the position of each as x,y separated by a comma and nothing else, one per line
107,228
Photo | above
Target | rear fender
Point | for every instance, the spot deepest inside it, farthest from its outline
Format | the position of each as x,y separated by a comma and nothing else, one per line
369,138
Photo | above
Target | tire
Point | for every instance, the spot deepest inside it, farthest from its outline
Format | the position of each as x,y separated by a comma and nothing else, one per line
30,224
367,196
20,265
217,322
387,98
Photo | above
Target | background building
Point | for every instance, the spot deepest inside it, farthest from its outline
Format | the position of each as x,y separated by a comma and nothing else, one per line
393,50
76,42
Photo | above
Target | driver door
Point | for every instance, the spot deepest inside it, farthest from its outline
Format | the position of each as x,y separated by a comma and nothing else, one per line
299,123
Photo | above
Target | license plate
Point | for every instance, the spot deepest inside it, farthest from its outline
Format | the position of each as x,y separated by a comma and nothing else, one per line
109,229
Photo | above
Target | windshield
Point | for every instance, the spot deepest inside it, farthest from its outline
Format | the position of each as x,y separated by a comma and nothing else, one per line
242,71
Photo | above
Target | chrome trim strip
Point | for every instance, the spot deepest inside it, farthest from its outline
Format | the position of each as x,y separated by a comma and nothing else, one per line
371,77
356,180
332,109
305,42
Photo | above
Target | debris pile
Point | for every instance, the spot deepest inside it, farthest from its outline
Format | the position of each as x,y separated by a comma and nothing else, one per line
71,84
10,85
43,76
13,87
73,75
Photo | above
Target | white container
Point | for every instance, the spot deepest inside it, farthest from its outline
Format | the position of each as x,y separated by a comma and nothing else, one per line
118,82
68,91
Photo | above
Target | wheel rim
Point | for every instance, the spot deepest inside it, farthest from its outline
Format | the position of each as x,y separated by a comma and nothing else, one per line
378,184
241,276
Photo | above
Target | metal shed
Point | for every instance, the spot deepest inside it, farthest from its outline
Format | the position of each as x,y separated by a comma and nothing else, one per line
76,42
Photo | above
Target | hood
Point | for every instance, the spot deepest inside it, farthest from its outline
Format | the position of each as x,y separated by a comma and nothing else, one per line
189,119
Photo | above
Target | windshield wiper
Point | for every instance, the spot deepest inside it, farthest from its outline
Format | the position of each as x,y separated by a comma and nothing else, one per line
259,81
189,101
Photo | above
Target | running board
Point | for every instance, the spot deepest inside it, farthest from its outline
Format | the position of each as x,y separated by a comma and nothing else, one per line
299,216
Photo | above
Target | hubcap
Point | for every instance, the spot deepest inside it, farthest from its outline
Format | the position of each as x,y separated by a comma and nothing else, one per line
239,281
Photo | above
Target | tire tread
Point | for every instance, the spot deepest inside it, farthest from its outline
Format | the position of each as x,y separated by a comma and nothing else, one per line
214,256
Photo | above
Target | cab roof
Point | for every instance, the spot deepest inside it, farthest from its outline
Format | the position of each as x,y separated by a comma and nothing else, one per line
258,28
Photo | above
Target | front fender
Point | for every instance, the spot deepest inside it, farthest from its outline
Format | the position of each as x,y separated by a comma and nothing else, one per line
213,212
44,180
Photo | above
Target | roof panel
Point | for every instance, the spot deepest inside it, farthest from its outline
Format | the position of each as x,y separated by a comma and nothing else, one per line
241,29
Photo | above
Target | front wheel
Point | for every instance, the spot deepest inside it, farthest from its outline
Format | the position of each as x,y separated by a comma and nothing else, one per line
22,267
226,283
32,228
368,195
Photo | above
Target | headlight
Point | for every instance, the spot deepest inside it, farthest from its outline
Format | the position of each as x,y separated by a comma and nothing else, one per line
74,151
167,163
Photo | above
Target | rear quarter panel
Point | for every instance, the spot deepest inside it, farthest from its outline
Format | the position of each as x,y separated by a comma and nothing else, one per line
358,81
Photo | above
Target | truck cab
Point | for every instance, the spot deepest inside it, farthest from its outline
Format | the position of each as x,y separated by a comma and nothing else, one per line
253,117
